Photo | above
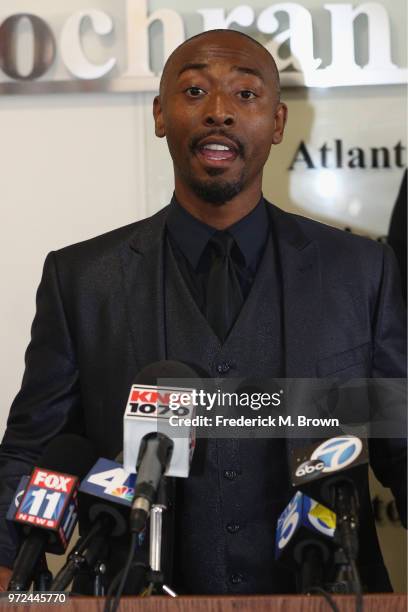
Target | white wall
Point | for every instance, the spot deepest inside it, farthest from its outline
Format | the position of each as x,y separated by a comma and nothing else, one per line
71,167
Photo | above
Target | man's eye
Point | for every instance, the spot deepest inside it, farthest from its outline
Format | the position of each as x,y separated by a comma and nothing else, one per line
194,92
246,94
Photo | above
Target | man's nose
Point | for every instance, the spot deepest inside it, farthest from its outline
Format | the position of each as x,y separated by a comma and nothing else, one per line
218,111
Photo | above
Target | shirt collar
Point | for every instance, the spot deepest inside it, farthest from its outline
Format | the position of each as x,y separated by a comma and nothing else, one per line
251,232
192,235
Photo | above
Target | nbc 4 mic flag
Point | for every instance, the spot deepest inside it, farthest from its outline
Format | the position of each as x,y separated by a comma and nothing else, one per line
110,481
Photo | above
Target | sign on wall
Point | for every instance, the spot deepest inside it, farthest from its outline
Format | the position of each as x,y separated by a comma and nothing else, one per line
60,61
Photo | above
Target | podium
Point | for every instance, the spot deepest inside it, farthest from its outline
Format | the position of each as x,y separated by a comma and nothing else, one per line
226,603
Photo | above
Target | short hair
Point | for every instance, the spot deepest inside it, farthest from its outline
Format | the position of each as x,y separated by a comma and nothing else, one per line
274,67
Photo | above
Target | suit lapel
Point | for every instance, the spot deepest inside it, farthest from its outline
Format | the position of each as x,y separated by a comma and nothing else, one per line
142,265
301,287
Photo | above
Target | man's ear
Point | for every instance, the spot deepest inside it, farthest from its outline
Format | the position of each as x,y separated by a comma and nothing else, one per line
281,116
158,118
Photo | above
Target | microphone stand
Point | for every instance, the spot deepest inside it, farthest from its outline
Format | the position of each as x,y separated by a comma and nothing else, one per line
86,553
347,517
43,577
157,544
346,507
342,582
313,555
28,555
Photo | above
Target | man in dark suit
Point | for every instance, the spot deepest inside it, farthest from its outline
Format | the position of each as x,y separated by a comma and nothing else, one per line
225,281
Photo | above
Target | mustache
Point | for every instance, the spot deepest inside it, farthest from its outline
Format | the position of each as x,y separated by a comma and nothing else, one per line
194,142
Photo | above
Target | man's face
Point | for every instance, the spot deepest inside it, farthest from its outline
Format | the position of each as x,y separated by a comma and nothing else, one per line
220,113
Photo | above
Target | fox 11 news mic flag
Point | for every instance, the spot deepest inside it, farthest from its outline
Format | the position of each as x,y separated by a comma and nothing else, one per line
304,540
45,505
153,446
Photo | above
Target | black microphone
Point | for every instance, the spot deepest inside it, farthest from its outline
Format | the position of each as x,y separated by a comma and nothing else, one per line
148,436
47,511
316,469
154,456
304,540
333,471
101,517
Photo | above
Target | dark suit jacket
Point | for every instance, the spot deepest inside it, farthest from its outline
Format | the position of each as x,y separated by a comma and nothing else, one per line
99,320
397,233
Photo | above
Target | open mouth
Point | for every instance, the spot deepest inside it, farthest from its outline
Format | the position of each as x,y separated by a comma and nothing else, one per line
217,152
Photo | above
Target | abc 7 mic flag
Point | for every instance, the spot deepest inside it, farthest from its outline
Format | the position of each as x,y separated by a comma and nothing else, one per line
340,457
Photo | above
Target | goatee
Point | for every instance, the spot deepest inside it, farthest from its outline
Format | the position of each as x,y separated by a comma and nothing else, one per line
217,192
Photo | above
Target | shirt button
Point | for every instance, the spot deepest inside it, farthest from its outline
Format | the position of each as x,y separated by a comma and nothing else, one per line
223,368
233,527
236,578
230,474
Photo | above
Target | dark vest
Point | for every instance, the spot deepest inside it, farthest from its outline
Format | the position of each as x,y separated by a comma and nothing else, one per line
227,509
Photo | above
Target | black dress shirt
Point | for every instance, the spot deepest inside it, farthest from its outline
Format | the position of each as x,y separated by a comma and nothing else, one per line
189,237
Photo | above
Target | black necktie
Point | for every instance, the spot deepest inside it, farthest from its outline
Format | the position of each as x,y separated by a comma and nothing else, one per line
224,297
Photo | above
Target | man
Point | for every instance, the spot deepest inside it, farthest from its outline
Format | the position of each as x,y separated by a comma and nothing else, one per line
276,295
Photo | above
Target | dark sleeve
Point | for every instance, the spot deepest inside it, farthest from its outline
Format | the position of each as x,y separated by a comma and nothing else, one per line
390,356
388,454
397,234
48,402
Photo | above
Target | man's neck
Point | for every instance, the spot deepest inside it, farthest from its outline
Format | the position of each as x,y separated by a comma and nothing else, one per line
219,216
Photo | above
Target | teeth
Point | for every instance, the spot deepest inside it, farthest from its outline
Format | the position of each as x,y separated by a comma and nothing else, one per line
216,147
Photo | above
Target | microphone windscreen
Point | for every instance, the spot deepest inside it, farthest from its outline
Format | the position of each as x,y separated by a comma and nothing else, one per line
152,392
152,373
69,454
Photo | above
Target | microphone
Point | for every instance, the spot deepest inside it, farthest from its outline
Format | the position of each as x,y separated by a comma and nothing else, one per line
302,539
107,493
332,472
318,469
154,457
104,500
47,512
152,401
152,447
107,489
